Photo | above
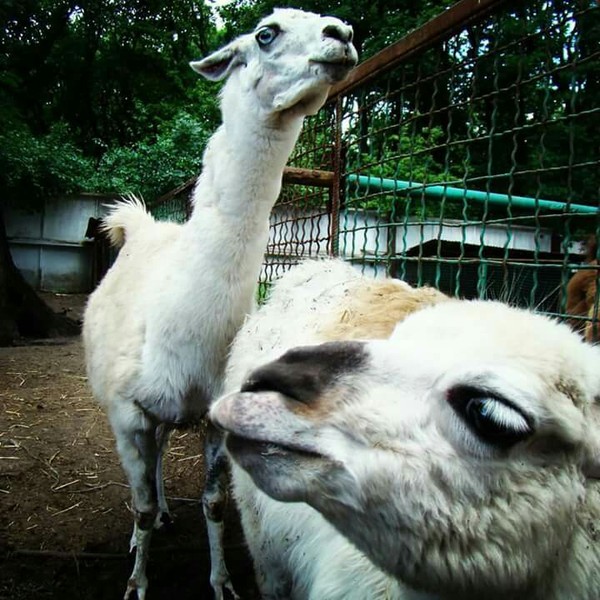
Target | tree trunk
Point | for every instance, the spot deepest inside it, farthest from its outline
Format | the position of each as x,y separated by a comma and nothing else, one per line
22,312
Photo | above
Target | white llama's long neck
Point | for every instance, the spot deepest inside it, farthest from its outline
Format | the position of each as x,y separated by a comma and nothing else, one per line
224,242
243,163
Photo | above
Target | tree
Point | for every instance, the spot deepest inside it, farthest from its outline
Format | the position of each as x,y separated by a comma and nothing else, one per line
96,95
376,23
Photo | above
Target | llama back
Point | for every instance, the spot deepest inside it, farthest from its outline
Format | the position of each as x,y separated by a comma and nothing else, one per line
112,324
330,300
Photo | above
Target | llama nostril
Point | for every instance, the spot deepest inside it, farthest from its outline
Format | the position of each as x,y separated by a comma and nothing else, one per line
300,384
337,32
305,373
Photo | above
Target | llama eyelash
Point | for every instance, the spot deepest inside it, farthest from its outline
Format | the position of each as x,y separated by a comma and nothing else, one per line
494,420
502,415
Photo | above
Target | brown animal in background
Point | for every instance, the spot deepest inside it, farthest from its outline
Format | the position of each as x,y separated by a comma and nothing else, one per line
592,327
581,295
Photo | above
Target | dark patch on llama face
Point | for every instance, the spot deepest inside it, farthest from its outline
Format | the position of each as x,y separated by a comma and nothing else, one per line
304,374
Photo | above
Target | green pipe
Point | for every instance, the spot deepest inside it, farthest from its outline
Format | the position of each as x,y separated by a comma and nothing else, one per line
453,193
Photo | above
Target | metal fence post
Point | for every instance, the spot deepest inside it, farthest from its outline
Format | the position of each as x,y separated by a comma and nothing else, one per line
336,191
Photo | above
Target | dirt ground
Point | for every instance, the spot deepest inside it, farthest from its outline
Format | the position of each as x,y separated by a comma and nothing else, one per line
65,521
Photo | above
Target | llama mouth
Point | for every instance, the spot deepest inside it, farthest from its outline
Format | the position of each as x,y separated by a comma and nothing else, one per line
337,69
240,447
288,439
274,460
283,472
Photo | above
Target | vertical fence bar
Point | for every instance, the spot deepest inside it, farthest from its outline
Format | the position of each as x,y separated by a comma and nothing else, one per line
335,194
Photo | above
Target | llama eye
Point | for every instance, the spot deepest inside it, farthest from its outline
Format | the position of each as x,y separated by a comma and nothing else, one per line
266,35
493,419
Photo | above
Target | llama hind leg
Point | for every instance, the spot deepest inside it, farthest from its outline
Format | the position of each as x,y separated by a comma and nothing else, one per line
163,516
162,439
214,500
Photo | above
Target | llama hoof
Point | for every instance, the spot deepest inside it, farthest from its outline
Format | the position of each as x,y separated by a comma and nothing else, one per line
221,584
135,590
229,587
225,591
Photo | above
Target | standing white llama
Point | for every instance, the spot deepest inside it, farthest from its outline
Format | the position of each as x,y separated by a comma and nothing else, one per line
158,328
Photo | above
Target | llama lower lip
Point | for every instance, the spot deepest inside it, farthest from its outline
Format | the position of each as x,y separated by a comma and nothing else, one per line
337,69
279,471
240,446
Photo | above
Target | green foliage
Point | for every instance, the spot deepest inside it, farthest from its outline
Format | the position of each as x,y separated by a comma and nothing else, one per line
98,96
263,291
95,93
154,166
32,167
406,157
506,106
376,23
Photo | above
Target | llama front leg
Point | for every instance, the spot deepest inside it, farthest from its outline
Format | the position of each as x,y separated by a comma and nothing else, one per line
138,581
214,500
139,456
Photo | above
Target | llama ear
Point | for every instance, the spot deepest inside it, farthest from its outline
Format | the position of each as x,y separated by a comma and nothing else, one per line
219,64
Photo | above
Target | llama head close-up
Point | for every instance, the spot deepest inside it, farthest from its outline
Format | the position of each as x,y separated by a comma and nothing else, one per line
456,454
288,63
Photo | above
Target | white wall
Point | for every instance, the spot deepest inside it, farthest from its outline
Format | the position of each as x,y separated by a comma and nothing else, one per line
49,247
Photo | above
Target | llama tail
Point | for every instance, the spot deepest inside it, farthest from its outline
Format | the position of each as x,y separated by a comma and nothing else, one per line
124,219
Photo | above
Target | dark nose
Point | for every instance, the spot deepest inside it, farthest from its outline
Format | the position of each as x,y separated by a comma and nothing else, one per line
338,32
304,373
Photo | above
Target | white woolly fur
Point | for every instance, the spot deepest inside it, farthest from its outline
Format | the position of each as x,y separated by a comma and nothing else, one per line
371,485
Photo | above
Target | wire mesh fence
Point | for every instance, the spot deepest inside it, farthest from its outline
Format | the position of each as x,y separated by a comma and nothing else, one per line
175,205
470,163
464,157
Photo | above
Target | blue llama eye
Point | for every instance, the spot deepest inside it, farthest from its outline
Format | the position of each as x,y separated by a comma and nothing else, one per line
266,35
494,420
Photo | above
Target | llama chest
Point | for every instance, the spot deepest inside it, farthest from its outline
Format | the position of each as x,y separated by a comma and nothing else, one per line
181,372
187,332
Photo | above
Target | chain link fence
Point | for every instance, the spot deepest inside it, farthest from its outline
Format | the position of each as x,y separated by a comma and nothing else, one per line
464,157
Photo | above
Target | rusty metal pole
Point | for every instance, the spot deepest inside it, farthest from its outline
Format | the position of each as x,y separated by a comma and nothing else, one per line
335,193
